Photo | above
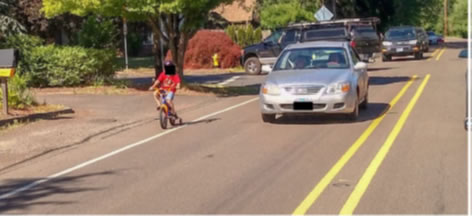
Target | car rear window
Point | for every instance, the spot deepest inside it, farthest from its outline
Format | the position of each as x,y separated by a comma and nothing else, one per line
321,34
365,32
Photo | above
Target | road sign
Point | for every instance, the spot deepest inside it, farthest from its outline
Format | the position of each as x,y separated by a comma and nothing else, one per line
323,14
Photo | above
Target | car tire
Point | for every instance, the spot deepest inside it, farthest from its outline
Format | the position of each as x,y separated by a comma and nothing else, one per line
418,55
355,114
252,66
364,105
268,118
386,58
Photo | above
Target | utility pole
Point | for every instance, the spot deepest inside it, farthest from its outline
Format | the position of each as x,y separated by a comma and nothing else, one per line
445,17
334,9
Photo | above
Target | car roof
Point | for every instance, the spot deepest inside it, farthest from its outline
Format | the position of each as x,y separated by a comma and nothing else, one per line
340,44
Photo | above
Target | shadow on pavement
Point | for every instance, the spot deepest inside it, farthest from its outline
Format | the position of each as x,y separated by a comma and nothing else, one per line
373,111
456,44
210,78
231,91
29,198
377,80
204,121
379,69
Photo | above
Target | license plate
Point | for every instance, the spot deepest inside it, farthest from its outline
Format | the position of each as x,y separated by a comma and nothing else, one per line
399,49
303,106
302,100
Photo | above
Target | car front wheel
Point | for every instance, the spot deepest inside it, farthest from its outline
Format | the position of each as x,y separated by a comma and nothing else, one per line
252,66
355,114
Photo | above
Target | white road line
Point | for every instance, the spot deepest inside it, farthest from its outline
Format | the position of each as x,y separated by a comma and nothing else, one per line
130,146
228,81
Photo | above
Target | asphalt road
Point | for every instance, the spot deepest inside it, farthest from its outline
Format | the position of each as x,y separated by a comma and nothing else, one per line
406,155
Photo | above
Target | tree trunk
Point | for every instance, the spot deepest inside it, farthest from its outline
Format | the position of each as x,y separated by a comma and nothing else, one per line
181,53
156,47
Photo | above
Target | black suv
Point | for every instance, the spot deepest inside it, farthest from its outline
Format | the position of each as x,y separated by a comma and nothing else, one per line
405,41
361,32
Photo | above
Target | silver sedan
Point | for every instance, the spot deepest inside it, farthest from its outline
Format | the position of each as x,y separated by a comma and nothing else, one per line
315,77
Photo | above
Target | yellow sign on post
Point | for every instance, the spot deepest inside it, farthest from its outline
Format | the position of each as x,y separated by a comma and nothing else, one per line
8,61
7,72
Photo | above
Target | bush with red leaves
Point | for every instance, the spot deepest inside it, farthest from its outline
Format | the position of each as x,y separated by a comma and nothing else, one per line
205,44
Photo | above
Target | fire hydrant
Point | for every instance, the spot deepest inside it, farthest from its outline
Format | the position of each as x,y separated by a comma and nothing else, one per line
216,60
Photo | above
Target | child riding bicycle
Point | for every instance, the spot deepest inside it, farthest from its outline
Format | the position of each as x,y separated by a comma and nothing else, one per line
168,81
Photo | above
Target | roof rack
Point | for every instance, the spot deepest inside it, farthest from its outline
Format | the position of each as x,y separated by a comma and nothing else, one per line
369,20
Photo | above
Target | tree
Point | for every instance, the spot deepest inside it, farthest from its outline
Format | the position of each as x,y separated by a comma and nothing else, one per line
8,24
173,21
459,18
281,14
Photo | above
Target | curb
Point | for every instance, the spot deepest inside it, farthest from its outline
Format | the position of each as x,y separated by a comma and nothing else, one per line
36,116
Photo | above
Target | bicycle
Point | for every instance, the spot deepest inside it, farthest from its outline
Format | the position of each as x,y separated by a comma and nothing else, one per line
165,113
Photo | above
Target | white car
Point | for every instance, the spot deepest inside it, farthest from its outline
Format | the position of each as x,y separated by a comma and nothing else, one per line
315,77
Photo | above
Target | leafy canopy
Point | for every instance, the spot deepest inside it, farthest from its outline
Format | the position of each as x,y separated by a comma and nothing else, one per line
281,14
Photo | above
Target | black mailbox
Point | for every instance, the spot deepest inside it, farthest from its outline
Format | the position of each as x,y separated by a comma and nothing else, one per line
8,61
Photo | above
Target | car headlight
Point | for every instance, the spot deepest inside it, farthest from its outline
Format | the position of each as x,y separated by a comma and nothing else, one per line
270,89
338,88
413,42
387,43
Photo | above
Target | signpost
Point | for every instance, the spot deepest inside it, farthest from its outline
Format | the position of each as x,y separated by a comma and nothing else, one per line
8,59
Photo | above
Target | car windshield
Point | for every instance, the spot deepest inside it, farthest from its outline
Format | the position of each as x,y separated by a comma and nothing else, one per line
431,33
400,34
313,58
274,37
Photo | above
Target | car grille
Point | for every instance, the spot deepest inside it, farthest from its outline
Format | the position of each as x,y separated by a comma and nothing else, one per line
303,90
290,106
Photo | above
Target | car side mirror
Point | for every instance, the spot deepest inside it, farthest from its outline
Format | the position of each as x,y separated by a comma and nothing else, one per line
360,66
463,54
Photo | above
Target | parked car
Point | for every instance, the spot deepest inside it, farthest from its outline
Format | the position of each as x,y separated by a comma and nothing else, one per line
468,120
404,41
266,52
434,39
316,77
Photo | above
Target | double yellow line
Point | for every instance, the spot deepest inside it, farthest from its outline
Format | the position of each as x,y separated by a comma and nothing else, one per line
362,185
437,53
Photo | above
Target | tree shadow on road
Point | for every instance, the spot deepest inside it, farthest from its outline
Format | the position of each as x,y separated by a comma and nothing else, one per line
456,44
379,69
375,110
27,199
231,91
379,80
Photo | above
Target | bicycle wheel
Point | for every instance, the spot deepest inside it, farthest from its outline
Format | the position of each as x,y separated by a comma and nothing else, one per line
163,118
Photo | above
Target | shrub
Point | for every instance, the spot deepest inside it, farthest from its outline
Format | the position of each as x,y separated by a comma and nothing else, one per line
244,35
68,66
98,33
205,44
19,97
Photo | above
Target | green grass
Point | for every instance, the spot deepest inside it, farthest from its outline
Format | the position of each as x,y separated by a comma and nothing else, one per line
135,62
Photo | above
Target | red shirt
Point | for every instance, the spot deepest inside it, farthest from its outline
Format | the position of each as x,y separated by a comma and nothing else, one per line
169,82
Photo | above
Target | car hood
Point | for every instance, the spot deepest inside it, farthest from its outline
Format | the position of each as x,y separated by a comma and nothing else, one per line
309,77
253,47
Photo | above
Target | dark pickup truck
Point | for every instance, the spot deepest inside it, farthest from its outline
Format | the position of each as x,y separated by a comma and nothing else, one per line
361,32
